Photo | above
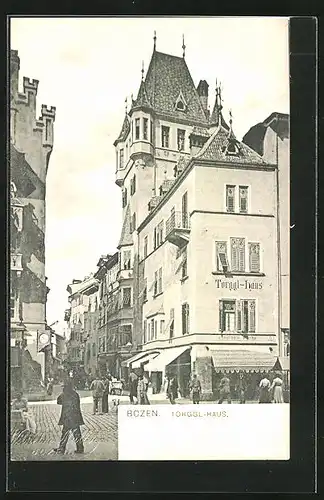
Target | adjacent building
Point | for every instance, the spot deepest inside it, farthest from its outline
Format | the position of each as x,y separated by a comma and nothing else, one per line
201,227
29,151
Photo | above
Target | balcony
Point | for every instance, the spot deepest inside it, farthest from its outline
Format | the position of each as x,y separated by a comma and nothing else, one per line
16,262
178,229
125,274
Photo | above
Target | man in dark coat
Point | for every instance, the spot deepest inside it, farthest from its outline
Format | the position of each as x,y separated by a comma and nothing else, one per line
195,388
225,390
133,381
71,418
172,389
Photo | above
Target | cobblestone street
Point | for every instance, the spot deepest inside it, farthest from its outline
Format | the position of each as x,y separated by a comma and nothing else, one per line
99,435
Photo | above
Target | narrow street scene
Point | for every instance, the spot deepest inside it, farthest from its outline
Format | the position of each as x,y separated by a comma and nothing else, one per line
149,205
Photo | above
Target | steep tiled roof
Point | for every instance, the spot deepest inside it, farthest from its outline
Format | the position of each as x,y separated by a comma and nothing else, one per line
215,149
166,77
201,132
142,100
126,236
124,131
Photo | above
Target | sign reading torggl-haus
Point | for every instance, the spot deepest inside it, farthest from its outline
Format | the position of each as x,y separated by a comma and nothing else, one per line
237,284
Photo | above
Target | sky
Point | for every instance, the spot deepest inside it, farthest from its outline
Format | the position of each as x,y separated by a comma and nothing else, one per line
87,67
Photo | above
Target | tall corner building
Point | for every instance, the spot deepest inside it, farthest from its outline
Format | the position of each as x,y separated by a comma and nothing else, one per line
29,150
200,212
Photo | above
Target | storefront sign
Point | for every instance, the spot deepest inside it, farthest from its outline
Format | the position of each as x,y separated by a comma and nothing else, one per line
246,337
239,284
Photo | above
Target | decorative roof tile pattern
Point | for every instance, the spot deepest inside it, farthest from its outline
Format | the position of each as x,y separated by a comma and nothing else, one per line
200,132
124,131
142,100
215,150
126,236
166,77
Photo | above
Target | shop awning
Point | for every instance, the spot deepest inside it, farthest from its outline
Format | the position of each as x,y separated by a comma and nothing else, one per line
128,362
283,363
235,360
144,359
165,358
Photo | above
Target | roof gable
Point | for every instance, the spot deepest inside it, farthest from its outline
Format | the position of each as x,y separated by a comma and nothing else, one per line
166,77
217,148
124,131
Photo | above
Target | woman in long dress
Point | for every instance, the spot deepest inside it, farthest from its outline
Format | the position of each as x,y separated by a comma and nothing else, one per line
276,387
21,404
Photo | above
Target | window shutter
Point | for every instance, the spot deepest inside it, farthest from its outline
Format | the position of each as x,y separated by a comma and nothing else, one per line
221,316
241,255
234,255
221,248
254,257
187,318
230,193
238,315
252,316
243,194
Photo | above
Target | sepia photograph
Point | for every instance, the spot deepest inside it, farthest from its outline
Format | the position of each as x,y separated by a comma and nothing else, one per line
149,169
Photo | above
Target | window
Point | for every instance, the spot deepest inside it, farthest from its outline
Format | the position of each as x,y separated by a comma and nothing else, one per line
161,327
227,315
124,198
181,139
133,185
121,158
184,207
12,302
185,319
158,235
165,136
156,277
47,128
254,257
152,330
93,349
133,223
230,195
127,259
145,290
160,280
180,105
184,266
243,199
238,254
221,256
145,129
145,331
151,131
127,296
171,331
145,246
245,321
137,129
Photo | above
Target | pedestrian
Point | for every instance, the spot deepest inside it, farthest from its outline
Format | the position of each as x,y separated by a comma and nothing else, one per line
242,386
142,398
104,403
97,388
265,394
133,381
21,404
71,418
225,390
276,387
195,389
49,387
172,389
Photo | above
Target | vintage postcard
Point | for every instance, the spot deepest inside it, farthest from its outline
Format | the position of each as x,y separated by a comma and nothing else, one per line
149,238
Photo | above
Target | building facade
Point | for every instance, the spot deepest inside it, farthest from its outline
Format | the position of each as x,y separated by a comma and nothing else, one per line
29,151
272,141
200,217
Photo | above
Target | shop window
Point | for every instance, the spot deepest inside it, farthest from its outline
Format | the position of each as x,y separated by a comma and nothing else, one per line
238,254
185,318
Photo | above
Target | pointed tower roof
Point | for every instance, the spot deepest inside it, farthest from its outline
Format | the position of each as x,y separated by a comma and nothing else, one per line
142,100
217,149
126,236
216,118
124,130
167,77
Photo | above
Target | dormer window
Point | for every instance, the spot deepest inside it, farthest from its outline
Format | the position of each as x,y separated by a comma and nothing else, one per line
180,103
232,148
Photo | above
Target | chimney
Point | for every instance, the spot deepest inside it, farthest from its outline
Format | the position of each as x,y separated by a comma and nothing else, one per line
202,90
